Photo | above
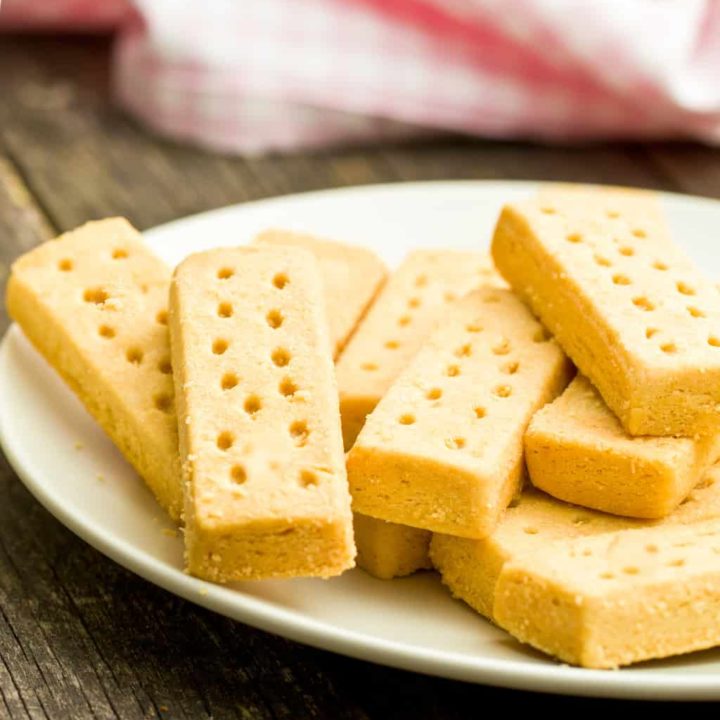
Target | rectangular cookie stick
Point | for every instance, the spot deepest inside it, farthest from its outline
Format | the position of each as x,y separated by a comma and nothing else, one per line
93,302
630,309
398,323
618,599
470,568
260,439
352,277
577,451
443,449
387,550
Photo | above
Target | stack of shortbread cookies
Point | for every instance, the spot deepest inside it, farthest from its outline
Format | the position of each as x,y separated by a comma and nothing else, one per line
584,357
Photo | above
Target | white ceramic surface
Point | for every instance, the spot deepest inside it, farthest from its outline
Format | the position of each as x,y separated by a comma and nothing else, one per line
69,465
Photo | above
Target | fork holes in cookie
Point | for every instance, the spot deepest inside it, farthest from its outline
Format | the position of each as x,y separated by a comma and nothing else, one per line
643,303
280,357
621,279
452,370
684,289
473,328
225,310
501,348
274,318
162,317
455,443
163,402
280,280
651,332
612,214
252,404
225,273
503,391
433,394
575,238
404,320
299,432
414,302
695,312
480,412
287,387
119,254
464,351
229,381
669,348
714,341
631,570
106,331
406,419
510,368
392,344
421,281
238,474
639,233
219,346
659,265
134,355
602,261
308,478
65,265
165,366
627,251
369,367
96,295
225,441
548,210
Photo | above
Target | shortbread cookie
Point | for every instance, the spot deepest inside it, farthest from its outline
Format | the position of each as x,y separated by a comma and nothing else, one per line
402,317
351,277
616,599
443,450
94,303
260,438
627,305
470,568
576,450
387,550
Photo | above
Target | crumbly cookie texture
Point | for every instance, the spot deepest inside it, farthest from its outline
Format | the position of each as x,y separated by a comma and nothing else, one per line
413,300
94,304
577,451
443,450
351,275
627,305
470,568
617,599
387,550
260,438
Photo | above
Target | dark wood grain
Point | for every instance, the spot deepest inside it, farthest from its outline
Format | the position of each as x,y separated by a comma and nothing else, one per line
690,168
81,637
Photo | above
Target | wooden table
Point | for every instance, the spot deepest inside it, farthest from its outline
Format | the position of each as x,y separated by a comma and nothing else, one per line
80,636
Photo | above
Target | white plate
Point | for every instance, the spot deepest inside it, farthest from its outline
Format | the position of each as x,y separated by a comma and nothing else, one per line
70,466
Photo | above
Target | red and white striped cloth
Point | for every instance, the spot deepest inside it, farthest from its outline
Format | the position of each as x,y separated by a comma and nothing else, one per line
256,75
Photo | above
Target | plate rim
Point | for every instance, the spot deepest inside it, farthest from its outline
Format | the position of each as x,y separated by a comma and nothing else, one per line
549,677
